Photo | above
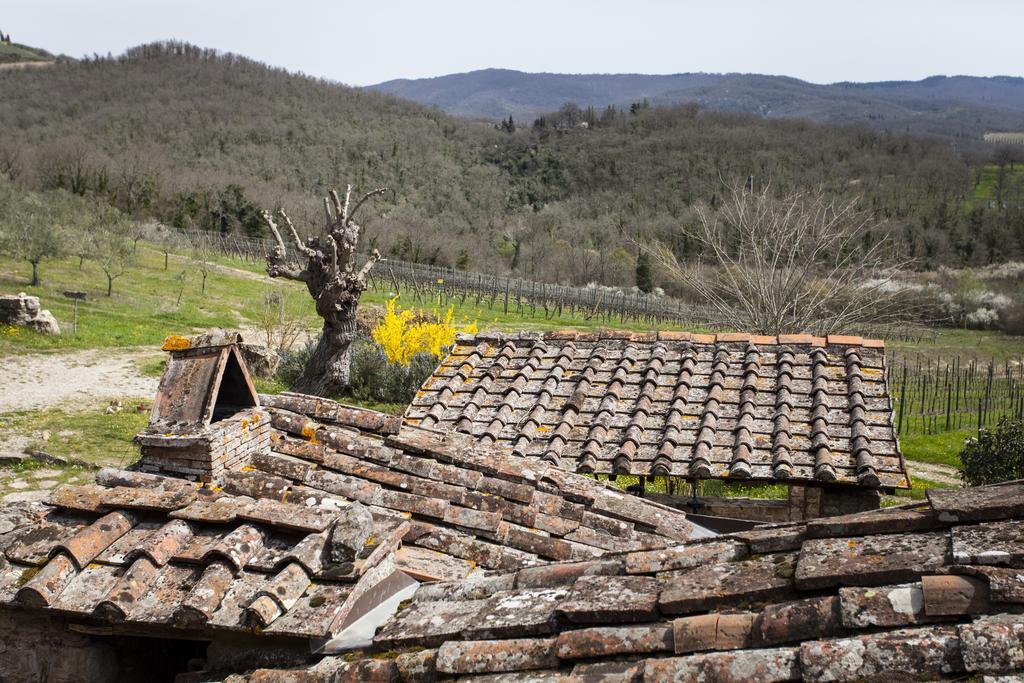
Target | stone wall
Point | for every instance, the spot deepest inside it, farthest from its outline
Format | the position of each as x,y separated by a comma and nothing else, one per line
40,648
205,456
803,503
807,502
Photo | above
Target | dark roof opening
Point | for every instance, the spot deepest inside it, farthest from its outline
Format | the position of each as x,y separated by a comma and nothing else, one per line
234,393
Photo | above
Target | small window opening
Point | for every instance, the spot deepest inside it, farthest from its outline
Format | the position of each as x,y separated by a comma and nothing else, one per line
234,393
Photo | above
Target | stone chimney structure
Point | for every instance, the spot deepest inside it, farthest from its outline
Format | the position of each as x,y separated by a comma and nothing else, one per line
206,417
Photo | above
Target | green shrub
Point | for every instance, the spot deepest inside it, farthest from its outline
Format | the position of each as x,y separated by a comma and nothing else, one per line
995,455
373,378
293,362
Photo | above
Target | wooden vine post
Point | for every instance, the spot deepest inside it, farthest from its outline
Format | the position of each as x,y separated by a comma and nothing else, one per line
334,283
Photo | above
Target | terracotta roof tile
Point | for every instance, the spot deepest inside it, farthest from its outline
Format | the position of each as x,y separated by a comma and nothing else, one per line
801,608
604,599
521,654
719,406
870,560
892,654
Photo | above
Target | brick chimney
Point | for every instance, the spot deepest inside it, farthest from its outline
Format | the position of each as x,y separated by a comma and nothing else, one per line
206,416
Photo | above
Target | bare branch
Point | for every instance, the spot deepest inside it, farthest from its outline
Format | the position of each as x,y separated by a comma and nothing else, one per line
348,197
303,249
371,193
336,203
269,220
327,210
368,266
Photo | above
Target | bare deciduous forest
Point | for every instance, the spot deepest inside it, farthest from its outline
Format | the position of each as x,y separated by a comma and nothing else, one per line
204,140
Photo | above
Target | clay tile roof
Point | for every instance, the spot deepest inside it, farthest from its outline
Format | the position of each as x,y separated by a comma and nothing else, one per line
923,592
151,567
795,408
291,541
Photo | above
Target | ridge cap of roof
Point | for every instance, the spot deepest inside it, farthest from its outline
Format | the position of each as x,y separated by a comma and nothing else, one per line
672,335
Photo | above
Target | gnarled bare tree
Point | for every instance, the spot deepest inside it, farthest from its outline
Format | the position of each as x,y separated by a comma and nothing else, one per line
333,281
806,262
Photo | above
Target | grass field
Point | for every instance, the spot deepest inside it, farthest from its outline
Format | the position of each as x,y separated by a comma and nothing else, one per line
987,182
16,53
149,303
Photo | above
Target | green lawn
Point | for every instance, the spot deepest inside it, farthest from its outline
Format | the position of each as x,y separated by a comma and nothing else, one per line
148,302
939,449
949,343
92,435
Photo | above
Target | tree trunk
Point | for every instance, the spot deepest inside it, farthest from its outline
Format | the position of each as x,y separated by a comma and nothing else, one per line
110,286
35,273
334,282
327,370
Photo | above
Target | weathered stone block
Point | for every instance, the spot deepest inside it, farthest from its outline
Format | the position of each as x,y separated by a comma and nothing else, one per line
517,613
613,640
546,576
782,539
870,560
260,360
742,666
611,599
994,644
44,323
996,543
901,605
429,623
873,522
18,309
978,504
727,583
495,656
892,655
684,557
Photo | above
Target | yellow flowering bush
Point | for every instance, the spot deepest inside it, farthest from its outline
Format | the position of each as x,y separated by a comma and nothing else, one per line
403,334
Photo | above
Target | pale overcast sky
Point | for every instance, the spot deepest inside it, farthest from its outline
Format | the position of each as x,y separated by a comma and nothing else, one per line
371,41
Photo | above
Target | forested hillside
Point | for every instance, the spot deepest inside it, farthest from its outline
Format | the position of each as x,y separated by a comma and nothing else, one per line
961,108
199,139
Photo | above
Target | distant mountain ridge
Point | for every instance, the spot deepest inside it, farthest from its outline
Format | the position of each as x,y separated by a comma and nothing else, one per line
956,106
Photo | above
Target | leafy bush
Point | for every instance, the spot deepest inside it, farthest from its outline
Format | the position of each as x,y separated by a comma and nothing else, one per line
995,455
374,378
293,362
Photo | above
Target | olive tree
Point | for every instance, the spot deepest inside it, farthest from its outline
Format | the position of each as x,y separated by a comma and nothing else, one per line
327,265
111,244
32,227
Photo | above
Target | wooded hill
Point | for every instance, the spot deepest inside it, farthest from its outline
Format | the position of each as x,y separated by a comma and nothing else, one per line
962,108
201,139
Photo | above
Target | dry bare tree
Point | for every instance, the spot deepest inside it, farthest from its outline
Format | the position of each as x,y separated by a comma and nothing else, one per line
806,262
333,281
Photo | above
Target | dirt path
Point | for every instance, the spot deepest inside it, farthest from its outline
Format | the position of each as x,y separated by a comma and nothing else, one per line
943,474
46,380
